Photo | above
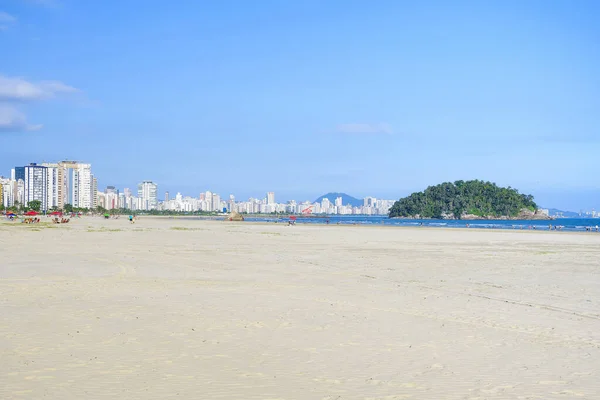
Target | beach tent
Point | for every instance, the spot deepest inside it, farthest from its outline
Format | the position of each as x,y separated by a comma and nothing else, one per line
31,213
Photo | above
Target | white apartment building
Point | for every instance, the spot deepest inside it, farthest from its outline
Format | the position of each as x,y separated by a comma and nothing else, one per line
36,185
147,195
52,187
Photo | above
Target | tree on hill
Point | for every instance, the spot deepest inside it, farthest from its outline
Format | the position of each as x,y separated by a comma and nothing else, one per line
483,199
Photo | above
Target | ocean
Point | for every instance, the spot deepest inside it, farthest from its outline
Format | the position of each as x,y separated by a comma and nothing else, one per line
567,224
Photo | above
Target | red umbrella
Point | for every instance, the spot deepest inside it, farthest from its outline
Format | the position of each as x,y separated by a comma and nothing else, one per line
293,218
31,213
55,213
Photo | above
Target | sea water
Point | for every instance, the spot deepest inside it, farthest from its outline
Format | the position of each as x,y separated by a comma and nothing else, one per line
566,224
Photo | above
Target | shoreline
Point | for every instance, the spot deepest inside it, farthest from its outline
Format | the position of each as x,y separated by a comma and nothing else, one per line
221,221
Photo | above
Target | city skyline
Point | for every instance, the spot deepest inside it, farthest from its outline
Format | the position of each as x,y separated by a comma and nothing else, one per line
377,99
91,184
57,185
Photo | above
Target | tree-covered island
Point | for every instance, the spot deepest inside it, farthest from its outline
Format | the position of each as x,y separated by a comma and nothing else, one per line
467,200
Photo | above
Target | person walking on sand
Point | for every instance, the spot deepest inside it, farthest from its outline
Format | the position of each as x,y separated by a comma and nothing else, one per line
131,219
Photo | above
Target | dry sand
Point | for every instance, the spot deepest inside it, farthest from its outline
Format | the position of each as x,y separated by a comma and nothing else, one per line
170,308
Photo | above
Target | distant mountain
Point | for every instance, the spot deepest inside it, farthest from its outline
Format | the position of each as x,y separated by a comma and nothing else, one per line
346,199
553,212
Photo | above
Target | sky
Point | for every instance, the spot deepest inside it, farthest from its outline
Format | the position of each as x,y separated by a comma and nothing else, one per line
370,98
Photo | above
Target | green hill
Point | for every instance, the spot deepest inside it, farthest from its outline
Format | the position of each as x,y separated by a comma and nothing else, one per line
464,199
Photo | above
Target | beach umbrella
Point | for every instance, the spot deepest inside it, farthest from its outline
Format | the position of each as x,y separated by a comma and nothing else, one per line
56,213
31,213
293,218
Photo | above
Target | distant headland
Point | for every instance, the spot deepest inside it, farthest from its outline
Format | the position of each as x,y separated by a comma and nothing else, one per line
468,200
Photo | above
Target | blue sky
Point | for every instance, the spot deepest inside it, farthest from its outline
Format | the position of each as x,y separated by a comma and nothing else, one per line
378,98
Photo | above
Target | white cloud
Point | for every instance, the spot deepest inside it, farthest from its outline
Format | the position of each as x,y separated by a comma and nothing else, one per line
366,129
12,120
6,20
18,89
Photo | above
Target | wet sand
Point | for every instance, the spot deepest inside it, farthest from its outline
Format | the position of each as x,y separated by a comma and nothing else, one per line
169,308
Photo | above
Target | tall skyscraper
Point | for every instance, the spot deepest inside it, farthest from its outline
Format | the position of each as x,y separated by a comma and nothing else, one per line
270,197
147,191
36,185
166,196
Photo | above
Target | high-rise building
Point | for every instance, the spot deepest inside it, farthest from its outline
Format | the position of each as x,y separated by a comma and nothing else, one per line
208,200
166,196
19,192
36,185
19,174
56,180
94,194
270,197
216,202
1,194
111,198
7,192
147,191
338,202
82,186
52,187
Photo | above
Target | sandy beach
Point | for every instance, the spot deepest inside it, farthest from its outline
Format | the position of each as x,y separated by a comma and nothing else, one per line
169,308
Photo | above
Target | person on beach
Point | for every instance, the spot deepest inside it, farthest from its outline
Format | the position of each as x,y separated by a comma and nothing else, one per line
131,219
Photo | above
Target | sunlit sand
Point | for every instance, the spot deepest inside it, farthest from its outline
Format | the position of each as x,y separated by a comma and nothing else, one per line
169,308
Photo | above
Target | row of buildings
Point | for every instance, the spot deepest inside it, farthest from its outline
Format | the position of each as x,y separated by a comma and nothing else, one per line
144,199
56,185
211,202
52,184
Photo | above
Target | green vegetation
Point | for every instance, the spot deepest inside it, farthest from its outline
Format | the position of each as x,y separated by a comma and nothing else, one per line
454,200
35,205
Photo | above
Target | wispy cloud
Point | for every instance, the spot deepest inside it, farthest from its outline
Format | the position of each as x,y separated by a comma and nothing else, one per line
18,89
365,129
6,20
12,120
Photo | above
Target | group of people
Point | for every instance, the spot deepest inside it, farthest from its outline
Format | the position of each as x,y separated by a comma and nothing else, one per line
30,220
62,220
591,228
